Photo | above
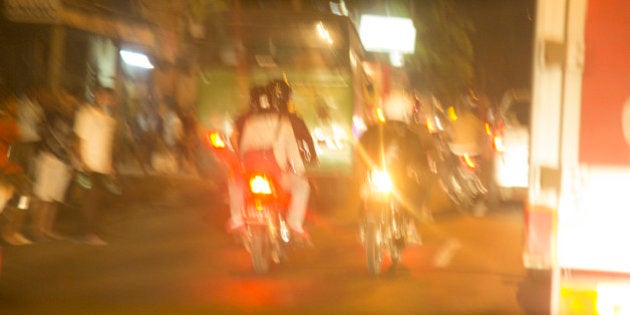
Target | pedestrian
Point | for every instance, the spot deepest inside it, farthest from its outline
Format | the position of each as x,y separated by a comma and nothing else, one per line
53,167
147,123
30,117
94,126
172,130
13,181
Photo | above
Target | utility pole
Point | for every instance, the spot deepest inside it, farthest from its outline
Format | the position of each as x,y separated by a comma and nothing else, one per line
56,57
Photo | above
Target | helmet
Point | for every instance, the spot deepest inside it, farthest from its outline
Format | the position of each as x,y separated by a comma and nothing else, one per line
280,92
398,107
259,99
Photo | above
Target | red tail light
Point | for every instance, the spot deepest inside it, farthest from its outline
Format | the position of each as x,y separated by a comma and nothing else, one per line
260,185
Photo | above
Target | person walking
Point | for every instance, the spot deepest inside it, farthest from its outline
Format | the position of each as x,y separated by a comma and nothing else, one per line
94,126
13,180
53,168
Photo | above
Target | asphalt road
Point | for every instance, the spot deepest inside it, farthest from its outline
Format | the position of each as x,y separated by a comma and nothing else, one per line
168,253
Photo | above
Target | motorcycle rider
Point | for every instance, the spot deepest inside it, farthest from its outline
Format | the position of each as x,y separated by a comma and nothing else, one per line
466,135
267,141
258,99
280,93
393,144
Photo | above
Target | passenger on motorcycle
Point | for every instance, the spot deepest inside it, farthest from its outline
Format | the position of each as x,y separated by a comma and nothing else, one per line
466,130
280,93
258,99
394,145
267,141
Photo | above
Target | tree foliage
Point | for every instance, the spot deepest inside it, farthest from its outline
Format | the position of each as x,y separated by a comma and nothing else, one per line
443,60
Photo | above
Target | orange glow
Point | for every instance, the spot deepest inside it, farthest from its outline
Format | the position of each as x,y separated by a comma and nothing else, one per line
488,129
469,162
430,127
380,115
216,140
258,205
452,115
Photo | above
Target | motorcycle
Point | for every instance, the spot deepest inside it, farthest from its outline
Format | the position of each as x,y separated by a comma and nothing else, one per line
458,172
266,234
383,223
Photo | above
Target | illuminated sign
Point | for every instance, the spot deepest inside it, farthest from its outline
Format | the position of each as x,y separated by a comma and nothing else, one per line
136,59
387,34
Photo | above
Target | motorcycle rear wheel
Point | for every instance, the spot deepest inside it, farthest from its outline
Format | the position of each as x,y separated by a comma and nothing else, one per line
374,253
260,249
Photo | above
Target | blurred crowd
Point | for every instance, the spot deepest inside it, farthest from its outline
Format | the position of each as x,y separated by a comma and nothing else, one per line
60,147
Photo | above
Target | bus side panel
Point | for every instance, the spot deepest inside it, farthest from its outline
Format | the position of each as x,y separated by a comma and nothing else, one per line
324,100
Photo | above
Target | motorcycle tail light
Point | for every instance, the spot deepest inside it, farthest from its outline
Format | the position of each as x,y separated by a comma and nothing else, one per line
381,181
216,140
260,185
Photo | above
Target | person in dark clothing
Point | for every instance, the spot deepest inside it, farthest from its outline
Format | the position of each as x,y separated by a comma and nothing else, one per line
53,167
280,93
394,146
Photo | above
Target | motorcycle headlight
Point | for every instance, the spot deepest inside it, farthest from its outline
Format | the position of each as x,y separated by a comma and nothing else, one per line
380,181
260,185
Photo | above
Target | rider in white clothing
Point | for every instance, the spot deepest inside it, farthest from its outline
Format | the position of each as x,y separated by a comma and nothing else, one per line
269,130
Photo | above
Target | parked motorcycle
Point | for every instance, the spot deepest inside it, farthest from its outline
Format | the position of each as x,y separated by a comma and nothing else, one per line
383,226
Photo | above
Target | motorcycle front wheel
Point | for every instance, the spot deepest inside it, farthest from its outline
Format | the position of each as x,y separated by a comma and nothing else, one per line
374,253
260,249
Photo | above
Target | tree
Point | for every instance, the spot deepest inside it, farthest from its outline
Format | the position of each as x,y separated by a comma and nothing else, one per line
443,60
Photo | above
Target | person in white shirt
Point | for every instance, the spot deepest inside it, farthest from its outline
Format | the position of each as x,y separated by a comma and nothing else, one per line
268,141
94,126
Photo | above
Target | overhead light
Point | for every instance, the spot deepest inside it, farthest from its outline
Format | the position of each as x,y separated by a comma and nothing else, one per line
136,59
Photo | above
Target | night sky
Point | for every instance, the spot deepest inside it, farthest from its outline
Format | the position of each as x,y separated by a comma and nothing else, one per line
502,42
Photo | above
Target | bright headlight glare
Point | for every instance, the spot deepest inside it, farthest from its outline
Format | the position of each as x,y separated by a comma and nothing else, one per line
381,181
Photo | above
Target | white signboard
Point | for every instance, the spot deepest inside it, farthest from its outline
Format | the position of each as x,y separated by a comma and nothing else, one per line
387,34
